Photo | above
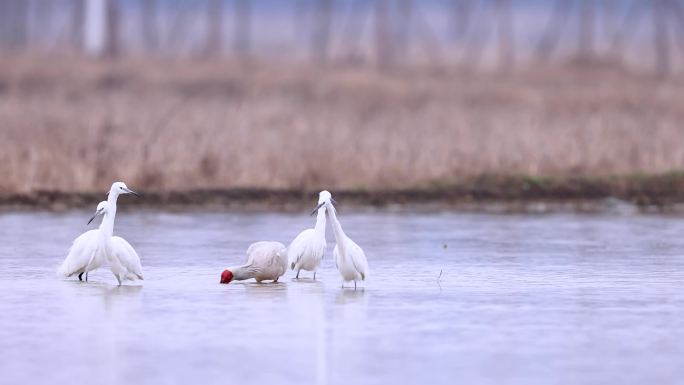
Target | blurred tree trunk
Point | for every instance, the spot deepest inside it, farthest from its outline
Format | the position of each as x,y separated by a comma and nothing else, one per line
77,24
630,24
678,14
586,29
15,21
4,24
214,45
554,28
148,23
403,30
320,38
661,42
461,12
506,35
243,28
383,42
112,46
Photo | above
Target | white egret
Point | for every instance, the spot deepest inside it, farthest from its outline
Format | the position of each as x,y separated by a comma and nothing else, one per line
307,249
87,253
266,261
90,250
123,261
350,259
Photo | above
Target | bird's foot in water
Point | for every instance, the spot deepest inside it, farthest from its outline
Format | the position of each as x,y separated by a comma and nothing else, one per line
80,277
314,275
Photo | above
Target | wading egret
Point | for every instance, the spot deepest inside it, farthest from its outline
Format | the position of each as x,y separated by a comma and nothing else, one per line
307,249
123,261
90,250
266,261
87,253
350,259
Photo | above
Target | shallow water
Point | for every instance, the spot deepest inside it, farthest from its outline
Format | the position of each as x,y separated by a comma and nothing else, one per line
522,299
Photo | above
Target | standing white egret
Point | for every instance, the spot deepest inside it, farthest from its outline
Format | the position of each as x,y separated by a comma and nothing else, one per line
350,259
92,248
87,253
266,261
123,261
307,249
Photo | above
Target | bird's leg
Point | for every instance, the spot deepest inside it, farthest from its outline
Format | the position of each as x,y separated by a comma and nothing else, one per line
354,284
297,277
118,279
86,276
275,280
81,275
314,275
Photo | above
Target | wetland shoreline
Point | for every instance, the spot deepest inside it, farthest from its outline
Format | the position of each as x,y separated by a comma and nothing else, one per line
661,193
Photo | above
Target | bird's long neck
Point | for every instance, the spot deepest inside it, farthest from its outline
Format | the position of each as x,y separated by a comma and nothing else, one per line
240,273
320,222
107,225
340,236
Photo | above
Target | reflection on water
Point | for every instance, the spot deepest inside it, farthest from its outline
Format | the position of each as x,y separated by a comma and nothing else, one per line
521,300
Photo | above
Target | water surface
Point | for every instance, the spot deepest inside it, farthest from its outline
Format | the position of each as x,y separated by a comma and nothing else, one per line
522,299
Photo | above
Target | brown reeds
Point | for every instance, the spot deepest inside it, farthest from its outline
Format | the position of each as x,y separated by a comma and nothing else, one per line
76,125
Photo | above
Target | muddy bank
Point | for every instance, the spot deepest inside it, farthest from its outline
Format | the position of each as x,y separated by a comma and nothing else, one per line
498,193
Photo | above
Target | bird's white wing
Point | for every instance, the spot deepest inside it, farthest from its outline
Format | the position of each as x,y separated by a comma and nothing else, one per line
265,253
299,245
250,253
336,256
128,257
358,258
80,254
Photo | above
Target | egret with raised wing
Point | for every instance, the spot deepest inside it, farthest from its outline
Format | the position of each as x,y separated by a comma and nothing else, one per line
266,261
307,249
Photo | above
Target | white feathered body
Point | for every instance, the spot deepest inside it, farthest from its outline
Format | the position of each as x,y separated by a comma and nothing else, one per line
306,250
87,253
350,259
266,261
123,260
351,264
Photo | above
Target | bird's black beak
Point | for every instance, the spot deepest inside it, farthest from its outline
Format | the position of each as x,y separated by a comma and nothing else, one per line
317,207
133,192
95,216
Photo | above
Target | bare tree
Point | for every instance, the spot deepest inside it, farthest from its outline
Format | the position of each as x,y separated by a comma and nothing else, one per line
15,22
554,28
112,48
77,23
384,48
506,34
320,38
461,12
243,28
214,44
586,29
678,14
661,38
403,28
148,23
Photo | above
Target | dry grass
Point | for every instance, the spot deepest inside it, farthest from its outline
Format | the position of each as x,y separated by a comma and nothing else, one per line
71,124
